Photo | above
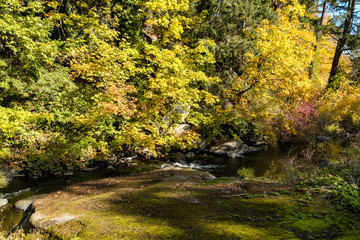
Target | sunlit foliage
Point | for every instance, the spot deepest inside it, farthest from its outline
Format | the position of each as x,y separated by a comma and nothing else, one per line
83,79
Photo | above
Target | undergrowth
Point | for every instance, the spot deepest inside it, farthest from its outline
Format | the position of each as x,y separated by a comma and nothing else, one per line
325,167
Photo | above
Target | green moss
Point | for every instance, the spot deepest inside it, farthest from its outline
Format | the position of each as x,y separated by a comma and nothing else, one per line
311,225
180,210
109,225
351,235
233,230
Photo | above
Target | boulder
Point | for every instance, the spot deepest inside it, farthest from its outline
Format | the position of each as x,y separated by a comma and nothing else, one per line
11,174
3,202
181,129
233,149
24,205
39,220
203,145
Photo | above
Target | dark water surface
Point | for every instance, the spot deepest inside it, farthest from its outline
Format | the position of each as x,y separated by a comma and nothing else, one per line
261,161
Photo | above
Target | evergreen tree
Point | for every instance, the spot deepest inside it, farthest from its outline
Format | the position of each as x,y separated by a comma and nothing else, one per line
231,24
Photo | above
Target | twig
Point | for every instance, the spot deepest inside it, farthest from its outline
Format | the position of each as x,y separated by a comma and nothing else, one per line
235,195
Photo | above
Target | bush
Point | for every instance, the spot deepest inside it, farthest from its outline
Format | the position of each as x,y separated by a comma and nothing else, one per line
349,194
246,173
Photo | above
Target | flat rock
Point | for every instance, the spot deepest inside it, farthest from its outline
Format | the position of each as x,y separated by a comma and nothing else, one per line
24,204
90,169
39,220
173,173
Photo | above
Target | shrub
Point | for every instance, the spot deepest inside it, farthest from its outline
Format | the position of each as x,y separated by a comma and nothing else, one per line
246,173
349,194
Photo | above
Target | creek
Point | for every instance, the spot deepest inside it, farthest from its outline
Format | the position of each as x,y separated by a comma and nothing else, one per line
23,187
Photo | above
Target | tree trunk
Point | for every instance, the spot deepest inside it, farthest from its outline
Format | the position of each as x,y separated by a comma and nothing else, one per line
342,41
323,14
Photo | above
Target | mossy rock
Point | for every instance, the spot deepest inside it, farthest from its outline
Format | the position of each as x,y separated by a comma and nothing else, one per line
157,206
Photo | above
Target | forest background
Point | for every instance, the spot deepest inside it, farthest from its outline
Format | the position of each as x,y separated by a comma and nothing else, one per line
83,79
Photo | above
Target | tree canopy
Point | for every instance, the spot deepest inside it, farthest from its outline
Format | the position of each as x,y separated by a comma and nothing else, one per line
84,79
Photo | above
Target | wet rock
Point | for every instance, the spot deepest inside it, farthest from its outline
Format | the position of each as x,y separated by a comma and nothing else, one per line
19,175
233,154
128,159
11,174
132,164
90,169
177,156
233,149
110,167
203,145
3,202
24,205
322,138
181,164
190,155
259,143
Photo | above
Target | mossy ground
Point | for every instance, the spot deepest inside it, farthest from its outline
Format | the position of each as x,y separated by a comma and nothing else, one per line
179,205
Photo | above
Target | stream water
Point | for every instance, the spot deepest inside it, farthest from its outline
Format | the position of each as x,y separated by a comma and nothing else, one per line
21,188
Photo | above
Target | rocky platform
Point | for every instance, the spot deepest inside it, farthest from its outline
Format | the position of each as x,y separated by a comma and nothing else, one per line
176,203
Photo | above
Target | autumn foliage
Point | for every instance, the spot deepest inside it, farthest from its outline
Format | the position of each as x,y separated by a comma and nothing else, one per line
78,82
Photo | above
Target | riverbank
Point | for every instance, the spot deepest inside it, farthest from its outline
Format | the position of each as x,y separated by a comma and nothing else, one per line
177,203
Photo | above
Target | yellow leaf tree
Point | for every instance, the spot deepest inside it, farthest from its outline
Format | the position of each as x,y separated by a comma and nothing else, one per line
276,78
